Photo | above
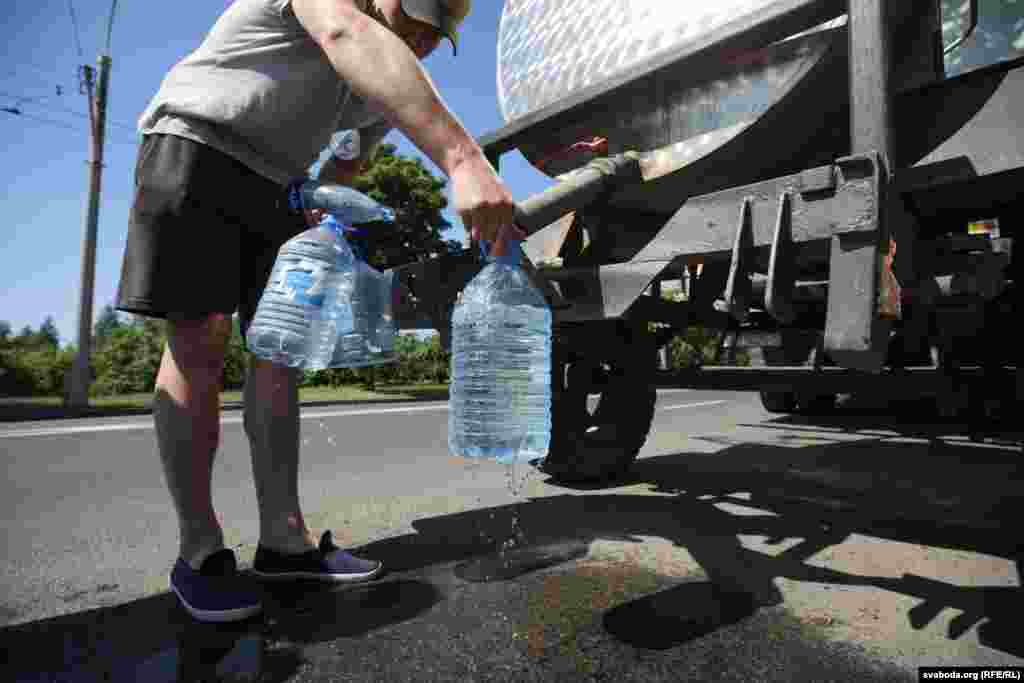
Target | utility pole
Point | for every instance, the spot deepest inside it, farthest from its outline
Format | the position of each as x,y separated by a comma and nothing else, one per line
77,393
76,389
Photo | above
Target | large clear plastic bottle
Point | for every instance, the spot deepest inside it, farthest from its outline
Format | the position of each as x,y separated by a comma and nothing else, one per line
371,340
306,304
501,366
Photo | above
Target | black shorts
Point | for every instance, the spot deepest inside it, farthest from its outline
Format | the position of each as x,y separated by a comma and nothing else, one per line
203,232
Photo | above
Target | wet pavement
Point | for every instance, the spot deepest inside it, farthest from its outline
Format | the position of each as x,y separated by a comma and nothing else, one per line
742,548
556,610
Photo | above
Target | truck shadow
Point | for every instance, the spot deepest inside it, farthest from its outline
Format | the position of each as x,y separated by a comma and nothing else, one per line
938,495
815,494
801,499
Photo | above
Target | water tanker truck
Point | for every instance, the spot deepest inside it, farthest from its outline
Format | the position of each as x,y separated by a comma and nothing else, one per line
834,187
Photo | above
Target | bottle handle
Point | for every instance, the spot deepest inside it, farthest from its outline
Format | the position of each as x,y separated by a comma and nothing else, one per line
513,252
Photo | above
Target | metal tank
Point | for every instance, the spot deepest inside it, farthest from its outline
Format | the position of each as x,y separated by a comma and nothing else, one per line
760,113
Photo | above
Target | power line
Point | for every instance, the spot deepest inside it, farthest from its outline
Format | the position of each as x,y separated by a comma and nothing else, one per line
60,87
32,67
74,29
23,98
57,107
59,124
110,22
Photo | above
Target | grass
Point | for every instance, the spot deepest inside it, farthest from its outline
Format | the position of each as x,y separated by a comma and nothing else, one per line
52,407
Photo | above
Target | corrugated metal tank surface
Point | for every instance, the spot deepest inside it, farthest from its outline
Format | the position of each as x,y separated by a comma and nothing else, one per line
549,49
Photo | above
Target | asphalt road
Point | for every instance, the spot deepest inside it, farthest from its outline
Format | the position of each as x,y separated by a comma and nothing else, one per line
744,546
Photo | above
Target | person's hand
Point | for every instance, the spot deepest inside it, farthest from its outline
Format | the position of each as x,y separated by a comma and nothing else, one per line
314,216
483,202
506,233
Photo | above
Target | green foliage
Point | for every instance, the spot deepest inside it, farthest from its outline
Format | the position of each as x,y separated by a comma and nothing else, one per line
417,197
35,371
236,360
29,340
419,361
129,359
15,377
32,362
48,336
108,322
696,346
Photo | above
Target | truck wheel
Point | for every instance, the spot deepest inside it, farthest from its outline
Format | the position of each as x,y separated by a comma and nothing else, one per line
820,404
594,443
779,401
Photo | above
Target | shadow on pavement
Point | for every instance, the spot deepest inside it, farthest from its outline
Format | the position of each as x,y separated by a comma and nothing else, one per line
899,481
910,417
155,640
812,493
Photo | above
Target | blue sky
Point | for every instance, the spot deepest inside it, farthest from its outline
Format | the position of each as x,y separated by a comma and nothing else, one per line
44,177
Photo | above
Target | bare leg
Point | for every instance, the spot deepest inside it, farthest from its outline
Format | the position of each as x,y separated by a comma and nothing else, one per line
186,410
272,424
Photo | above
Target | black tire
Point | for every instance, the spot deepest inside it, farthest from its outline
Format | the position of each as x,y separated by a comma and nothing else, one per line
779,401
822,404
600,444
786,402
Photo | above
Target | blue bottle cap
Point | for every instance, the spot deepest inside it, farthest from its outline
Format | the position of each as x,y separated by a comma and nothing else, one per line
512,256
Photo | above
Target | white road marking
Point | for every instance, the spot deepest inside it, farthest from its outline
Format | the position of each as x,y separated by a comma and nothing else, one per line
694,405
233,419
237,419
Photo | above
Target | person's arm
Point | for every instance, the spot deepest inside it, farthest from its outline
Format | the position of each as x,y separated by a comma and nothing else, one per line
380,68
340,171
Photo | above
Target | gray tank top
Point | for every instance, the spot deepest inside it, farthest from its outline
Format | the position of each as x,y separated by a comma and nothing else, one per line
260,90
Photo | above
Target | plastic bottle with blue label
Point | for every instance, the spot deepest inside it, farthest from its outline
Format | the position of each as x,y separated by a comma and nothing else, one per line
371,341
306,305
500,394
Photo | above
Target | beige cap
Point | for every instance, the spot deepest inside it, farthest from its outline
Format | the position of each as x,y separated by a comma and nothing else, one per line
444,15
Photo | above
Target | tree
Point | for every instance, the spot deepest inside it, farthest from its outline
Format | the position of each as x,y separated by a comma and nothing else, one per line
236,360
129,360
48,335
417,196
106,324
5,332
32,364
26,338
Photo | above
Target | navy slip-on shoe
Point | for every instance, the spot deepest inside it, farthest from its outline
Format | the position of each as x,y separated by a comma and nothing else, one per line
328,562
217,592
